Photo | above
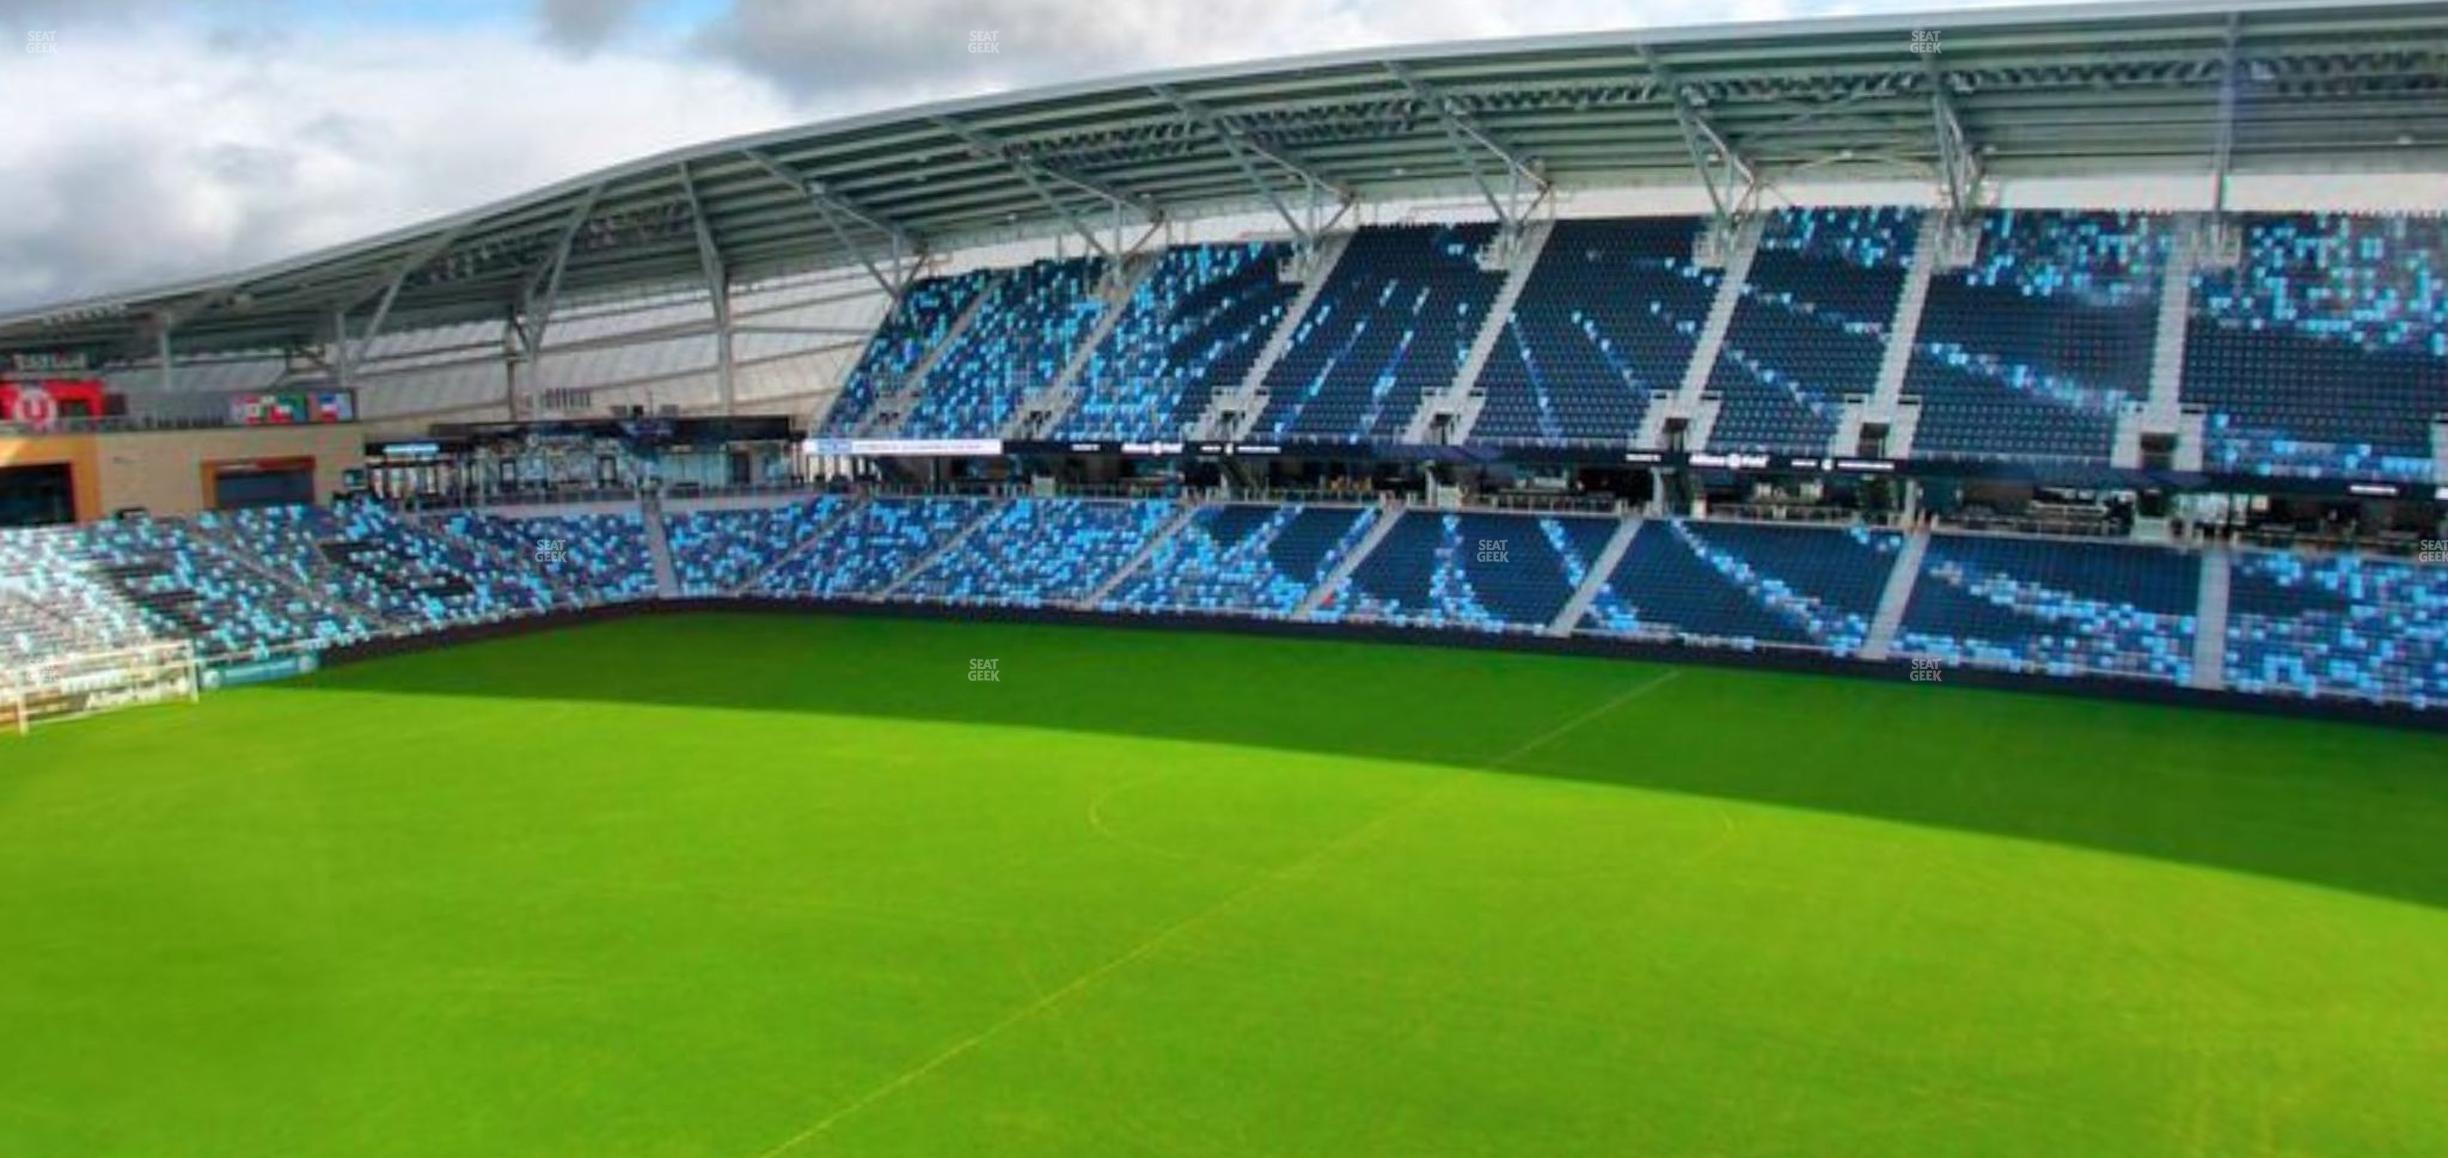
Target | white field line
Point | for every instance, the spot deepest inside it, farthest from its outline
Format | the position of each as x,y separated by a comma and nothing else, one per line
1169,933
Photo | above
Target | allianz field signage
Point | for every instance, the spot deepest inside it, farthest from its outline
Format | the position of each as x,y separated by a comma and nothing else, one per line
258,671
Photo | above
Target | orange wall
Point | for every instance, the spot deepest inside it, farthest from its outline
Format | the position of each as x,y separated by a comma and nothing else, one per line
77,450
170,472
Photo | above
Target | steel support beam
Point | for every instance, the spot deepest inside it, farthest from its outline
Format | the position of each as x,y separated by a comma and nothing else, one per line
342,365
1037,175
1467,140
161,350
1959,165
1713,158
832,208
1242,146
516,351
718,288
2223,154
548,276
424,255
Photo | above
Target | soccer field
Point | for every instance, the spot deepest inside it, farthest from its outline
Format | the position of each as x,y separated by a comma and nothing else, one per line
744,886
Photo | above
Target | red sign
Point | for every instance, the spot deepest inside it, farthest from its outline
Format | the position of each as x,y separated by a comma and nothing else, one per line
42,404
33,406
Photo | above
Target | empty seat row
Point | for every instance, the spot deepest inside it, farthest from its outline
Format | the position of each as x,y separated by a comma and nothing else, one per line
594,557
914,327
2031,352
1609,315
1257,560
2058,606
1031,322
2361,628
1034,552
1486,572
870,546
2324,351
1192,327
1394,322
714,550
1746,585
1811,326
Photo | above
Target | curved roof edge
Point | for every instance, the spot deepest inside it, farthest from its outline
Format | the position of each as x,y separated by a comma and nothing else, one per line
1959,99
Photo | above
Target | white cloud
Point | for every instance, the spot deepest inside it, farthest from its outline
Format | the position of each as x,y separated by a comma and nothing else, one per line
187,153
167,140
861,46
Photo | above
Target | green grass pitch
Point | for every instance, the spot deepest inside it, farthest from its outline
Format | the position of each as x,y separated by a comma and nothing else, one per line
755,886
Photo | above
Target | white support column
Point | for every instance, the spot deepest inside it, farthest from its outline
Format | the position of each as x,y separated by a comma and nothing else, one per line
341,361
1247,399
2210,621
516,351
1454,399
726,365
1139,558
2168,343
1601,569
1904,330
1054,400
1720,315
717,276
1316,598
161,350
1895,597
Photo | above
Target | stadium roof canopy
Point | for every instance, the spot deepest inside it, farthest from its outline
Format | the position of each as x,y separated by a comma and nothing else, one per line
2199,88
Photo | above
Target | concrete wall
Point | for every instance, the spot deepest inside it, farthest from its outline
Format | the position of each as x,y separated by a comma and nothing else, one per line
76,450
167,472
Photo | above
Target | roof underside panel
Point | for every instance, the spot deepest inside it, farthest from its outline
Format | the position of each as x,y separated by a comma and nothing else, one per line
2069,91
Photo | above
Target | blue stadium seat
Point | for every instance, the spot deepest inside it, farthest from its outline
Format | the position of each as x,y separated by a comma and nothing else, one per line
2059,606
53,604
2031,352
1747,585
193,586
1609,315
1032,552
716,549
872,544
370,559
1243,560
1811,328
2360,628
1031,323
915,326
1394,322
1485,572
2324,353
1191,328
598,557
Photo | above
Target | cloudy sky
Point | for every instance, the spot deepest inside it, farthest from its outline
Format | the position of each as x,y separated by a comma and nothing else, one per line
153,139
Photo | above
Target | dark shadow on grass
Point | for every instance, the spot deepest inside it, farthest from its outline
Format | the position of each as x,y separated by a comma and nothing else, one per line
2330,804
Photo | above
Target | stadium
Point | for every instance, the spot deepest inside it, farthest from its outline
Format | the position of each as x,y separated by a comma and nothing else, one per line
1873,585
